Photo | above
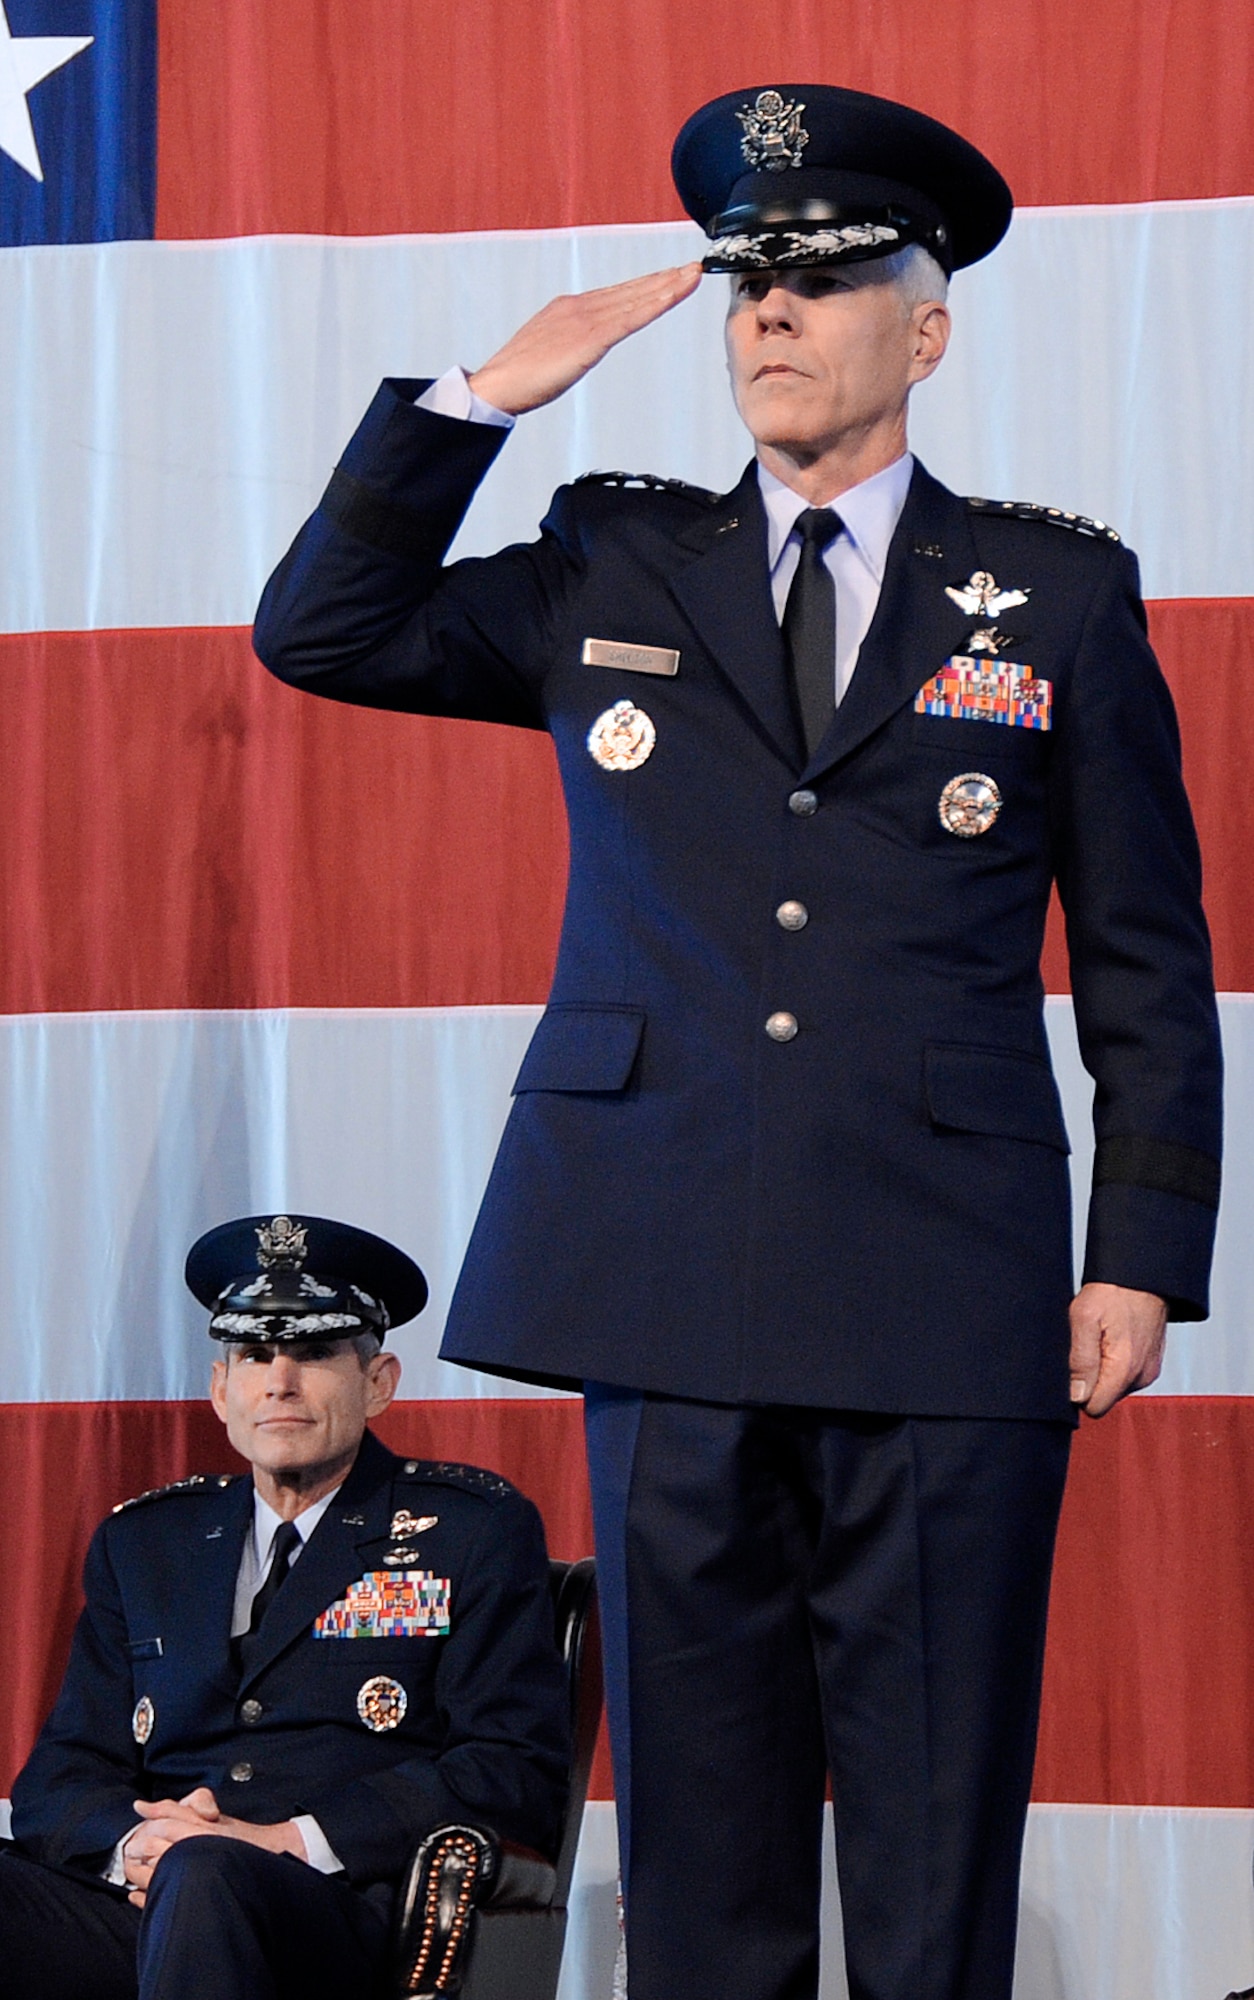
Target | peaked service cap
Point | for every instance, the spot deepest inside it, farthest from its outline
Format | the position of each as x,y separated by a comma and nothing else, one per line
301,1277
798,173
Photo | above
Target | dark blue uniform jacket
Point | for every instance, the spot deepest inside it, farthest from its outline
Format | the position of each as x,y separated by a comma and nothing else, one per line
484,1733
876,1213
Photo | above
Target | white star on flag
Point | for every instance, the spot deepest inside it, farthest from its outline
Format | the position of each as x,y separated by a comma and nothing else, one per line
25,61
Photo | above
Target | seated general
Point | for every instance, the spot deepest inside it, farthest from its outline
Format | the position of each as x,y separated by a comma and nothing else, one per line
281,1682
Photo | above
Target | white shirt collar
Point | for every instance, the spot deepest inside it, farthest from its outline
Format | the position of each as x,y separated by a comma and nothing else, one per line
870,511
266,1522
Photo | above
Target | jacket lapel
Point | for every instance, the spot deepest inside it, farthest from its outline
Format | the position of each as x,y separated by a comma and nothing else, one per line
334,1557
726,593
204,1611
915,627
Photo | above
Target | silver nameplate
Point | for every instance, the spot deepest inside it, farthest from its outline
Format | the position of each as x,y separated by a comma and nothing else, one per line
631,659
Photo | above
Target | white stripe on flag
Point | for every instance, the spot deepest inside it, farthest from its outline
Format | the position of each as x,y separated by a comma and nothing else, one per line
181,404
1116,1902
140,1130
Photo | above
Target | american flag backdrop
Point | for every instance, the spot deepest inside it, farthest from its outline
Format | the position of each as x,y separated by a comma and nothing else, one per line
262,952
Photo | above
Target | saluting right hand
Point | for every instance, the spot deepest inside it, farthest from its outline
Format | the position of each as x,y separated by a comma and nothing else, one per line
571,334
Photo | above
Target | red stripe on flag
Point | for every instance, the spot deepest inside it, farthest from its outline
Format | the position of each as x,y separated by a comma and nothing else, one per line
1206,646
312,116
207,838
1149,1662
203,837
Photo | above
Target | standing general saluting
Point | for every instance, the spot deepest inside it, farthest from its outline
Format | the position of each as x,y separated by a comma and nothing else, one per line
785,1185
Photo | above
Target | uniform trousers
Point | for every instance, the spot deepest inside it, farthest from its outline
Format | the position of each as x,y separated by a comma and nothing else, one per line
223,1921
792,1592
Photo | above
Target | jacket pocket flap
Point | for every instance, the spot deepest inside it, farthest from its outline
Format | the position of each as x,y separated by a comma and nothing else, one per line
1004,1093
582,1048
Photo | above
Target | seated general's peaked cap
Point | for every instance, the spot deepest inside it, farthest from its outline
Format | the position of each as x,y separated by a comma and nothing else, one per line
300,1277
805,173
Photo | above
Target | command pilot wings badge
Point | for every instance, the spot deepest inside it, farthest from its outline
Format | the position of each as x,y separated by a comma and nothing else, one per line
980,597
405,1523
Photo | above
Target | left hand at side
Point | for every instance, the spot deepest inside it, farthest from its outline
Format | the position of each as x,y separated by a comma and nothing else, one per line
1117,1342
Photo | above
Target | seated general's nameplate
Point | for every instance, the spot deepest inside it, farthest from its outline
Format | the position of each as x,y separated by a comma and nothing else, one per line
630,659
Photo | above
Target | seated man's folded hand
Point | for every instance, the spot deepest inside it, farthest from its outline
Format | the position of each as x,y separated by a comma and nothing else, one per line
165,1821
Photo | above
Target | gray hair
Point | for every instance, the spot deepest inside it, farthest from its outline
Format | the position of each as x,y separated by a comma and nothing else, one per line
914,271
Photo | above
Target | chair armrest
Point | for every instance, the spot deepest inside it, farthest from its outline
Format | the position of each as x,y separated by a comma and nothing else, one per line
454,1872
524,1880
450,1873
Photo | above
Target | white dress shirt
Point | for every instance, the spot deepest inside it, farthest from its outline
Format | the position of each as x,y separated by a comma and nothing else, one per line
254,1565
452,396
856,557
870,513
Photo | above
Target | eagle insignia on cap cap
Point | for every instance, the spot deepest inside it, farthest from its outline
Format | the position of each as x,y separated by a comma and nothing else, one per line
281,1241
774,137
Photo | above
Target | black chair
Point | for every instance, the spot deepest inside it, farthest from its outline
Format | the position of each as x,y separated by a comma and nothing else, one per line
479,1917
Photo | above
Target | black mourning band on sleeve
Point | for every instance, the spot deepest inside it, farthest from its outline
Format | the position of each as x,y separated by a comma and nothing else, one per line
386,525
1158,1163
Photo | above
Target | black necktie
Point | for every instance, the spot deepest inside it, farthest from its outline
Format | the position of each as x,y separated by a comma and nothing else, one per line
286,1539
809,626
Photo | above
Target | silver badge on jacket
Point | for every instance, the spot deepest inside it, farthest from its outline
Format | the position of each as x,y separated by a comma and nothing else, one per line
622,738
405,1523
143,1720
969,804
982,597
381,1703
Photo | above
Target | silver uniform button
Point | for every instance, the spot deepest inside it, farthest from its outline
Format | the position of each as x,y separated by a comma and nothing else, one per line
803,803
781,1027
250,1711
792,916
240,1773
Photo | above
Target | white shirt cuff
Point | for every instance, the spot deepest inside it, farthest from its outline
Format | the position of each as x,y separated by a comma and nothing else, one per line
116,1871
318,1850
452,396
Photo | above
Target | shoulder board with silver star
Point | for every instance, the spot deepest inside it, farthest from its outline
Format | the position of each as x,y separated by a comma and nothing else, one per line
197,1482
471,1478
653,482
1057,517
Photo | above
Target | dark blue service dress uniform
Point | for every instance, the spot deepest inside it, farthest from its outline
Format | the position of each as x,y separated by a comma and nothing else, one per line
786,1174
379,1737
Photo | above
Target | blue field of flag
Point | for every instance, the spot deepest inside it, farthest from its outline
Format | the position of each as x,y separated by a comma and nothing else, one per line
78,120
